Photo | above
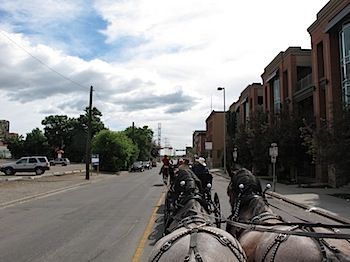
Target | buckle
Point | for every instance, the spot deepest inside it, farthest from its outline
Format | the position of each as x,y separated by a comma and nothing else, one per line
166,246
281,237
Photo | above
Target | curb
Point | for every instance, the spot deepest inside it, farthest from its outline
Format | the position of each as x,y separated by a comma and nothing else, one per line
14,178
315,210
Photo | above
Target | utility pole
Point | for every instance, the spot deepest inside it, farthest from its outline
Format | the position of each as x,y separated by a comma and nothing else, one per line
88,139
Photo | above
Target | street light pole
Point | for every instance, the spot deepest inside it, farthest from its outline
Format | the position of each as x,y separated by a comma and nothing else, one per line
223,89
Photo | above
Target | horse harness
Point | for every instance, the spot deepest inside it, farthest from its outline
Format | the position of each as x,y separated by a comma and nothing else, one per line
281,237
193,232
202,226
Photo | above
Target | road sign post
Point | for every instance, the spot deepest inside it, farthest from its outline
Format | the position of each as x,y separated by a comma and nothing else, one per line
95,161
273,154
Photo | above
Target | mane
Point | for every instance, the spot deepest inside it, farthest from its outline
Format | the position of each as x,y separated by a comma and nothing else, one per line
250,182
187,198
250,197
258,205
192,182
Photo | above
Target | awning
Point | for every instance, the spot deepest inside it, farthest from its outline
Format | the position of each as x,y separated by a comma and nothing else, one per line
337,18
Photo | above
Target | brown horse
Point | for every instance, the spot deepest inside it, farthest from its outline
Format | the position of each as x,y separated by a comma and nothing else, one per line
249,204
191,234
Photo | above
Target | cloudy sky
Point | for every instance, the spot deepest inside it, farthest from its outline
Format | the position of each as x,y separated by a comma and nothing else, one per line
149,62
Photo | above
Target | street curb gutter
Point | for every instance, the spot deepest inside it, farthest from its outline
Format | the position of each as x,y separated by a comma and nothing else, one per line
315,210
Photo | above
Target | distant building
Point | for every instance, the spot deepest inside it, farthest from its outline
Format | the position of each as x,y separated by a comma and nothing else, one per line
215,136
199,143
4,134
250,100
4,129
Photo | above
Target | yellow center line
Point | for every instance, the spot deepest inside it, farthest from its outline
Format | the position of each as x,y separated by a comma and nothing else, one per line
147,232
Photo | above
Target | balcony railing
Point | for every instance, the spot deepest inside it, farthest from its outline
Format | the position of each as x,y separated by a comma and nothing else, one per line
304,82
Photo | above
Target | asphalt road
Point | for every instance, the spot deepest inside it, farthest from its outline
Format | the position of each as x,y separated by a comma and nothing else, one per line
112,218
100,221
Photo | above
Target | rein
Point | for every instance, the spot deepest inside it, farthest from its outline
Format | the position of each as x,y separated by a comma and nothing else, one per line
270,227
267,227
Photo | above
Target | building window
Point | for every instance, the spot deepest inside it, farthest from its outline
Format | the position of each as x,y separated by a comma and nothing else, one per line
276,95
246,114
345,62
320,61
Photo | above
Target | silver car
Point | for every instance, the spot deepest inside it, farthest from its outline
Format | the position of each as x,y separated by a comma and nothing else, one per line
137,166
60,161
37,164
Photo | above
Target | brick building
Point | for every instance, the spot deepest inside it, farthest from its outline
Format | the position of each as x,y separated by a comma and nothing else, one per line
199,143
249,101
330,39
215,136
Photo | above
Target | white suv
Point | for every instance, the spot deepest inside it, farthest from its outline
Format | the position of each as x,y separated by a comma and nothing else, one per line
37,164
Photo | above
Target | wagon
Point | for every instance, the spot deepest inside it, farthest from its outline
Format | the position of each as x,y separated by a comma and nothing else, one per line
213,202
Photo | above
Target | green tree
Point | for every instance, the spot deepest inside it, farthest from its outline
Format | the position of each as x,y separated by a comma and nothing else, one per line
96,123
16,145
242,143
259,140
36,143
292,153
232,129
70,134
76,149
116,150
57,130
334,142
142,138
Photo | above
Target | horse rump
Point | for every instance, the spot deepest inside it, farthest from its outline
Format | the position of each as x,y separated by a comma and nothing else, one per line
197,244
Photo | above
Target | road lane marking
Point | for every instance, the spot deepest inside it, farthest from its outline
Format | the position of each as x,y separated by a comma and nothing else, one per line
143,241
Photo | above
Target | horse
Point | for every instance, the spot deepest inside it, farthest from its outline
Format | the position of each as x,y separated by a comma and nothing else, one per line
190,234
249,206
168,172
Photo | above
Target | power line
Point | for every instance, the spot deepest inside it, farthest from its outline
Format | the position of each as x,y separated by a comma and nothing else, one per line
41,62
59,74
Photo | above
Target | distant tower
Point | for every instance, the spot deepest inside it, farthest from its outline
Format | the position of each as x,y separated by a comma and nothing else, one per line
159,135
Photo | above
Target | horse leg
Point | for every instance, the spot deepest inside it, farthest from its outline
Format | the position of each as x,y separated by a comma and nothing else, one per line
165,175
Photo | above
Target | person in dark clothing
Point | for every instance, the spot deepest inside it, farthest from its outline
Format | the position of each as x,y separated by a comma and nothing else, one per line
200,166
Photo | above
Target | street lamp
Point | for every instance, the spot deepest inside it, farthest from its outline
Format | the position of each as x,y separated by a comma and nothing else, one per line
223,89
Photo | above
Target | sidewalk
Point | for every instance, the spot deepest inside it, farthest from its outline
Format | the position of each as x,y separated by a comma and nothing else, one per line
316,199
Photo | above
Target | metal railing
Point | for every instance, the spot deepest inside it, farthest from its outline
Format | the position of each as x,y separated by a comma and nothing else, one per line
304,82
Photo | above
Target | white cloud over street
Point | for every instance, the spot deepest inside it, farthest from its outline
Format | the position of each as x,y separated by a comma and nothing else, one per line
149,62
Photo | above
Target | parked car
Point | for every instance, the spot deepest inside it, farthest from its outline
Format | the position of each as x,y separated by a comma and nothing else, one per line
60,161
137,166
37,164
147,164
